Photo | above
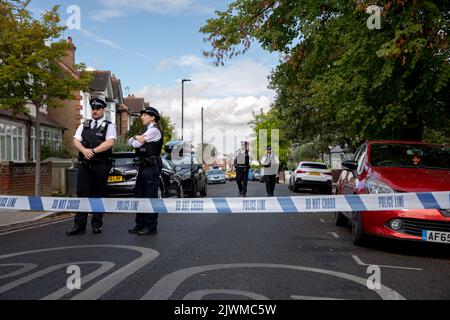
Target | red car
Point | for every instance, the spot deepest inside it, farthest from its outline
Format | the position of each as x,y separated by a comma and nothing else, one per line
397,167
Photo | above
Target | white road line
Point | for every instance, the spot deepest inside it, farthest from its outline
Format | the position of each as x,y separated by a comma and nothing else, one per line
361,263
200,294
35,227
335,235
165,287
321,220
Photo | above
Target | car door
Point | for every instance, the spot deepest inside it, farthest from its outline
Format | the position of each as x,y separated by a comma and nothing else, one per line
351,179
167,174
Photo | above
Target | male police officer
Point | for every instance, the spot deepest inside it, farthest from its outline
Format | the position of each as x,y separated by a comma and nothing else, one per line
270,165
148,148
242,161
94,140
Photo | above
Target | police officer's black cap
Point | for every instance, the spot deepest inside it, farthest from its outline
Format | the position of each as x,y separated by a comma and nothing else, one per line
98,103
153,112
269,148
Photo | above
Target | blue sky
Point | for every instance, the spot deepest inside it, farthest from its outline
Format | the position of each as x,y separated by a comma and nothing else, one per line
152,44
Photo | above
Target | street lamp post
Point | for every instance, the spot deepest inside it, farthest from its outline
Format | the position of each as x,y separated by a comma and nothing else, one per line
182,107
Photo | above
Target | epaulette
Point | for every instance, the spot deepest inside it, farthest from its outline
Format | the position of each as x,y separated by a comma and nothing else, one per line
87,123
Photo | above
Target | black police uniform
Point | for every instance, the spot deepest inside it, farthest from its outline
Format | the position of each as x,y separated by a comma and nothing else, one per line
148,183
93,174
242,170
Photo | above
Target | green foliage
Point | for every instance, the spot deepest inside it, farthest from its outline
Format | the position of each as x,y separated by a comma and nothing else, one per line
121,145
137,128
269,127
47,151
306,152
340,82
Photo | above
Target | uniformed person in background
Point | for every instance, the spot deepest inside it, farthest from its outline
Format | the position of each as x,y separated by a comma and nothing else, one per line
270,165
148,149
94,140
242,161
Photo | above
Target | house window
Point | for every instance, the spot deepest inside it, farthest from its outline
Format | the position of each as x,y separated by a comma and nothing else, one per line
49,137
12,141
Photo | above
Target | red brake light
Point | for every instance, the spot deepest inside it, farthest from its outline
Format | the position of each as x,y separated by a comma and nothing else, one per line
328,173
301,171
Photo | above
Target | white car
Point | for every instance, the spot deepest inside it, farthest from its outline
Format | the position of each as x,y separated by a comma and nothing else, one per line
312,175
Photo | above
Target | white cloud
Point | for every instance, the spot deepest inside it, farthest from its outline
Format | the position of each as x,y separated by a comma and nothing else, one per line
230,96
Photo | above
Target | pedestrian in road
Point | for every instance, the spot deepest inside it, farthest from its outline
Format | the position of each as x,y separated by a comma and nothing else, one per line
270,165
148,149
242,162
94,141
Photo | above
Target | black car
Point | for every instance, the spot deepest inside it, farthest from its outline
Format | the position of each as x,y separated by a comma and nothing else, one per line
188,167
122,179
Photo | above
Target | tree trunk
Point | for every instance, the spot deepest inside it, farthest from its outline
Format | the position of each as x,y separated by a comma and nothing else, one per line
38,153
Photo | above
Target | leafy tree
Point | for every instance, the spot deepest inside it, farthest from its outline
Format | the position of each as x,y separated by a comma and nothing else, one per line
137,127
30,55
338,81
264,126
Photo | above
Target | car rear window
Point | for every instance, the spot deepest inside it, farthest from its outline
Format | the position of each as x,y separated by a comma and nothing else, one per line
314,166
124,162
410,156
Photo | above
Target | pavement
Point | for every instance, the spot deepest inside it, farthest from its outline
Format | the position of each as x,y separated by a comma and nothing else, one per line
9,218
220,257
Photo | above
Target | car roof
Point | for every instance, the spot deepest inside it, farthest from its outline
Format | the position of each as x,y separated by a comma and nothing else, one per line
120,155
402,142
311,162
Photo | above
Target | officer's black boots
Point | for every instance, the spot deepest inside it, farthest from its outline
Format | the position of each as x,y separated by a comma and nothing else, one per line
135,230
76,230
147,232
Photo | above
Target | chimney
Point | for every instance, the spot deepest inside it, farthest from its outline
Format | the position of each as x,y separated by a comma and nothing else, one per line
69,59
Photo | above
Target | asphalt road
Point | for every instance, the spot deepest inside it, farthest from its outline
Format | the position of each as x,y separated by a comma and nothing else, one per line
236,256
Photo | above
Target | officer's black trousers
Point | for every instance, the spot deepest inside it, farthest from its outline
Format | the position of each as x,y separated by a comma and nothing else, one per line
147,185
242,179
271,182
92,182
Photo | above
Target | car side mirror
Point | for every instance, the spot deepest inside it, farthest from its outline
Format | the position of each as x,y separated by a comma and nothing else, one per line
350,165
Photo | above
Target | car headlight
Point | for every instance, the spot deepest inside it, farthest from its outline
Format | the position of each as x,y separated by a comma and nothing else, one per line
376,187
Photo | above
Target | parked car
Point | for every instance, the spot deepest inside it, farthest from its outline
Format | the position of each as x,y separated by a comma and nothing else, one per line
251,175
257,175
383,167
188,167
122,178
216,176
312,175
230,175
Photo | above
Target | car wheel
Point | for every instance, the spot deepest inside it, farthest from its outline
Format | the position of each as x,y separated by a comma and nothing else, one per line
204,192
358,236
340,220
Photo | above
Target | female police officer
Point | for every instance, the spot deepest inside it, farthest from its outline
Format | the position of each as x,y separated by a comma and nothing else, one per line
148,148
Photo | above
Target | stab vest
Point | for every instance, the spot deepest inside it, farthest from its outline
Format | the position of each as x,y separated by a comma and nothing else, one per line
151,149
92,138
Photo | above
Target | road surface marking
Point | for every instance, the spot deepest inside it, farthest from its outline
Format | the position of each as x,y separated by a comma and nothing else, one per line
103,286
35,227
165,287
359,262
312,298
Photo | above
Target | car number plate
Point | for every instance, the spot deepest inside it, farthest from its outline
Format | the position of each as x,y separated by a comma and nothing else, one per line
314,173
115,179
436,236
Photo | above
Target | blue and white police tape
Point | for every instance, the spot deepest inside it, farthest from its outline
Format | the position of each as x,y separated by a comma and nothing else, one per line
306,204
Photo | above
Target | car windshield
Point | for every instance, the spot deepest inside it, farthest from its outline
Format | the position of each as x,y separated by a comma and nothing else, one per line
314,166
184,162
215,172
410,156
124,162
